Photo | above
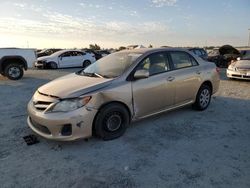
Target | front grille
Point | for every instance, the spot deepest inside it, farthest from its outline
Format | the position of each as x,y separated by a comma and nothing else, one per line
40,127
240,76
236,75
42,102
52,96
41,105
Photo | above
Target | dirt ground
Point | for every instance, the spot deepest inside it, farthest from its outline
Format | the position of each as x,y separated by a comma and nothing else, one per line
182,148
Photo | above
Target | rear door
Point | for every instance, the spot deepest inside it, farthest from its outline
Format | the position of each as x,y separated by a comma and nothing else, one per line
187,76
78,58
155,93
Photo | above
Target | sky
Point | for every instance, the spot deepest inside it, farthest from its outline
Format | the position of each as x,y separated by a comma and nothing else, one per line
115,23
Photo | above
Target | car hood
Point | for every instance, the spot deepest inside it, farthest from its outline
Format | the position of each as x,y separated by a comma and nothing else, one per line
73,85
44,58
244,64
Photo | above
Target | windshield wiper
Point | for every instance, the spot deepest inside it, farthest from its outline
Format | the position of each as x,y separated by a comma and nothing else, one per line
99,75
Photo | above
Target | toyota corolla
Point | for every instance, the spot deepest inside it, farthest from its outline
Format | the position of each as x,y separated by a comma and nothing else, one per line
240,69
122,87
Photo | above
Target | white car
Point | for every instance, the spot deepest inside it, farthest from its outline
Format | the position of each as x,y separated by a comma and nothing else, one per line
240,69
65,58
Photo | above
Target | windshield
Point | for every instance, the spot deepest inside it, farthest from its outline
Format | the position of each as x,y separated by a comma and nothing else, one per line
58,52
42,51
112,65
246,57
214,53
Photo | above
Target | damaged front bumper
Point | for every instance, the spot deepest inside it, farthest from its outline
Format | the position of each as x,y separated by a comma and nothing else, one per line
64,126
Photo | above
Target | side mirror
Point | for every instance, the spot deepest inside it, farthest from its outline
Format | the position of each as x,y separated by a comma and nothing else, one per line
140,74
238,58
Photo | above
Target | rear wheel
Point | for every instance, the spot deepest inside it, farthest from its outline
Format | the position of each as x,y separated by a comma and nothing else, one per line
13,71
203,98
86,63
111,122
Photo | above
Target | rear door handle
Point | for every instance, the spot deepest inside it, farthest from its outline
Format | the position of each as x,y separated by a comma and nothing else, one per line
170,78
198,72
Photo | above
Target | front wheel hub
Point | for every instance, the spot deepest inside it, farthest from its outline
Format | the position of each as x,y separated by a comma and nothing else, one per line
114,122
204,98
14,72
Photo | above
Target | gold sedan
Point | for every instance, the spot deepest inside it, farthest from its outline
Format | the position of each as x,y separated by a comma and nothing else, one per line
105,97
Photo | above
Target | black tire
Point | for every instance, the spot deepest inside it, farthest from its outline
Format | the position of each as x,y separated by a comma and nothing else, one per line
13,71
203,98
111,121
86,63
53,65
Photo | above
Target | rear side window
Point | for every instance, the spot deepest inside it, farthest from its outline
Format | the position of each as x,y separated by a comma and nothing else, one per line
203,52
79,54
198,52
182,60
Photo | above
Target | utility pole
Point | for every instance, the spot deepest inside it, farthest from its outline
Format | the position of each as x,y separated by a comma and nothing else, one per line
249,38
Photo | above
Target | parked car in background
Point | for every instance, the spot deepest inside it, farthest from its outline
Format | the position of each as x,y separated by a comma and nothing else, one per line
131,47
65,58
223,56
93,53
244,52
199,52
240,68
47,52
13,61
103,52
119,88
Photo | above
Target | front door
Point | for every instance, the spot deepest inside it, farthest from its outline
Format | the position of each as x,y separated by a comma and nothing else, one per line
65,60
155,93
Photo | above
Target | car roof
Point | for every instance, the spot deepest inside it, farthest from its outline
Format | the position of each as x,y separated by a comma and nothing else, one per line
63,51
194,48
70,51
152,50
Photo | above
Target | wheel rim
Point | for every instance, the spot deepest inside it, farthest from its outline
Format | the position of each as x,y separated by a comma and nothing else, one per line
14,72
204,98
86,63
113,122
53,65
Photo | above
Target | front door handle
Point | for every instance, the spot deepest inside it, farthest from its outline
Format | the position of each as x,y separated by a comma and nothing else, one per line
198,72
170,78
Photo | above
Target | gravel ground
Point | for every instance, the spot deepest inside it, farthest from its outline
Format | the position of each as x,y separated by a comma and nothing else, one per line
182,148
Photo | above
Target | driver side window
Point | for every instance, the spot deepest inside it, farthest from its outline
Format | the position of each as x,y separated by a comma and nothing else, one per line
155,64
66,54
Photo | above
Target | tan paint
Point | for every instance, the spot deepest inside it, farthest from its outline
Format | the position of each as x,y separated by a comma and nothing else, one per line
143,98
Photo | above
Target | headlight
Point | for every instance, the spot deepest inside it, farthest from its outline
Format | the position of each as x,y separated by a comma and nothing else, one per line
232,68
70,104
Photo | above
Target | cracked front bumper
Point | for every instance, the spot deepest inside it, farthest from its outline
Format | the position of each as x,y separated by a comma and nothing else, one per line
61,126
